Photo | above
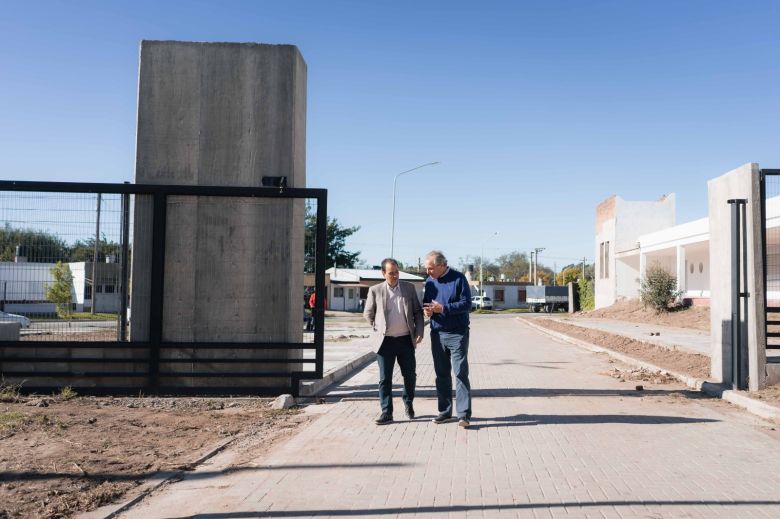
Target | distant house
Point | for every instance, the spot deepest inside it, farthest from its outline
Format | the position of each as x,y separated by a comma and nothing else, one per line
23,287
348,288
505,294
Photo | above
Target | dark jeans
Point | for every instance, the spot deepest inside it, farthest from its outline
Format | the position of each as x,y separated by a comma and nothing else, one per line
396,348
450,354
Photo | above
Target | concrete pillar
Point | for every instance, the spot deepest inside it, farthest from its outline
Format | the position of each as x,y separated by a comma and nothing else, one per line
222,114
681,285
642,266
742,182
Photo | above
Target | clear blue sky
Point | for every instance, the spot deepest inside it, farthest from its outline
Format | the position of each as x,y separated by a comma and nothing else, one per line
537,111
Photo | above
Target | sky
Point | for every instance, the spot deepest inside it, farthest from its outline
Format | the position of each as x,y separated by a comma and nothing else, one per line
535,111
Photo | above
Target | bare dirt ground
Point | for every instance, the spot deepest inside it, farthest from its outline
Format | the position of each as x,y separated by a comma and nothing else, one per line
677,361
694,317
697,318
60,456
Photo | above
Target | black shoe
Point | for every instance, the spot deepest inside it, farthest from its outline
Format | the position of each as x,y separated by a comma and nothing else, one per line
409,411
464,422
442,418
384,418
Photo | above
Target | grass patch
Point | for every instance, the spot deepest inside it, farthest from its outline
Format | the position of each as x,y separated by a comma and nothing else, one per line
10,420
95,317
66,393
9,392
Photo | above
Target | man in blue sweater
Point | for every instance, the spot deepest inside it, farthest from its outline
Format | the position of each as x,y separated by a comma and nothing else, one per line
447,302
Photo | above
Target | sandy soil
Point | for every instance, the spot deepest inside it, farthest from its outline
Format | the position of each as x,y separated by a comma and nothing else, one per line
677,361
695,317
62,456
672,360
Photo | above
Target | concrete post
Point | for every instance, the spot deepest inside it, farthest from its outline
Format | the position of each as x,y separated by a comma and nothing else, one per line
742,182
222,114
681,285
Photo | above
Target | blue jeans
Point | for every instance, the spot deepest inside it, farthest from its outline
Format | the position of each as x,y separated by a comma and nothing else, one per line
450,354
393,348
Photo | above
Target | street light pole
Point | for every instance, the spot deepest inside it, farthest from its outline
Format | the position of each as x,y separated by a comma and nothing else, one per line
482,260
395,181
536,264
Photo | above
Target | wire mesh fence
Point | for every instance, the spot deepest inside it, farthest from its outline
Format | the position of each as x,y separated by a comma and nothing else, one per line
60,275
222,298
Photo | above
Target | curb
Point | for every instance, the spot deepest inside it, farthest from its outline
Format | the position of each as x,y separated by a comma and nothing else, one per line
711,388
314,387
151,484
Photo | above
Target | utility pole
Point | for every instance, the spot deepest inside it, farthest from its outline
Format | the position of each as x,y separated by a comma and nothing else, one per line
537,250
95,256
584,259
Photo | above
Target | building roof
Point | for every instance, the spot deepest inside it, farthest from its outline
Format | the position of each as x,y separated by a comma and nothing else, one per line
339,275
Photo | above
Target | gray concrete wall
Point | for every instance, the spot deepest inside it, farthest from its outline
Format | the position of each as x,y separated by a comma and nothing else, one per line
222,114
742,182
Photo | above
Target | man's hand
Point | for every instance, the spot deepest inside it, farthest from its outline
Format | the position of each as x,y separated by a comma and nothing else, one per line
434,307
418,339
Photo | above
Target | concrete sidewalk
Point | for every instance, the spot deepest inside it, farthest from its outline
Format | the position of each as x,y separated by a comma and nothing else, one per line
552,436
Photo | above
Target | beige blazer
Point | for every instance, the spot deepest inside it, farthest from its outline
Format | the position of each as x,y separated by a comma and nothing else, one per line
375,312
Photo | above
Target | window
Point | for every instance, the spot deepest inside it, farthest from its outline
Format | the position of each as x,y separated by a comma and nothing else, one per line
604,259
99,289
351,293
88,292
338,292
498,295
701,267
691,268
108,289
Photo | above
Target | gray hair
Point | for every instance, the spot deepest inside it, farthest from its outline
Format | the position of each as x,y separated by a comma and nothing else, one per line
385,263
437,256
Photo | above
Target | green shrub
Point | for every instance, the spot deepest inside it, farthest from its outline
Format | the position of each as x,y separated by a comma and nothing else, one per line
658,289
587,299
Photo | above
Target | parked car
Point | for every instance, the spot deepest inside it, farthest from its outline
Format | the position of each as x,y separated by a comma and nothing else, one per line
6,317
483,302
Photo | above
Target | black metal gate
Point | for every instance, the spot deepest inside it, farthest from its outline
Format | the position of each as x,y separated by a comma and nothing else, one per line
770,198
51,239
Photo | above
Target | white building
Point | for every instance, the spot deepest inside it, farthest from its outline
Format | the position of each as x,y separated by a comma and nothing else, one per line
348,288
23,287
630,236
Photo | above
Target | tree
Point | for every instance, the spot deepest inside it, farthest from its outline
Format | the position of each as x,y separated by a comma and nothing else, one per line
39,246
59,292
85,250
514,266
336,236
658,288
568,275
587,298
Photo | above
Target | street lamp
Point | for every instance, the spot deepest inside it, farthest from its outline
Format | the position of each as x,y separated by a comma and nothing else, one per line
392,232
536,263
482,260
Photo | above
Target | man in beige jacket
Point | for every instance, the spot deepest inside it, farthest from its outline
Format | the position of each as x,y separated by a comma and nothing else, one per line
394,312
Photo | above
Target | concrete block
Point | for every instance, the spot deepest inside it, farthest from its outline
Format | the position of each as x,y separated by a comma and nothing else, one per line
222,114
283,402
9,331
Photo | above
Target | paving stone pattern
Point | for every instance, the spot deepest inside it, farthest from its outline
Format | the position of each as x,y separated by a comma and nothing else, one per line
552,436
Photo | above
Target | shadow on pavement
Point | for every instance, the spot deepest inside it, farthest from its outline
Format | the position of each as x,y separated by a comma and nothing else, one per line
568,419
42,476
369,391
477,508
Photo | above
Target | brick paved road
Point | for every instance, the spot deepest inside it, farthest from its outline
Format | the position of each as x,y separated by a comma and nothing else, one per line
552,436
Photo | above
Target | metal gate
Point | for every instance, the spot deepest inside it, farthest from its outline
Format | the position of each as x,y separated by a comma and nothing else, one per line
770,197
65,256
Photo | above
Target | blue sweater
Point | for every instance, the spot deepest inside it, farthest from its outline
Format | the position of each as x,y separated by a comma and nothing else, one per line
453,292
